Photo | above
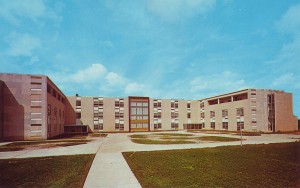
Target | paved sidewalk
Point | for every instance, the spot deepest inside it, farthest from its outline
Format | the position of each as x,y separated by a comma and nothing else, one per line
109,168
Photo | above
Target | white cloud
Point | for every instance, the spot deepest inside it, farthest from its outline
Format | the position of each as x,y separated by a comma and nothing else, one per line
115,79
290,22
134,89
218,83
14,11
173,9
283,79
23,44
93,73
289,56
98,81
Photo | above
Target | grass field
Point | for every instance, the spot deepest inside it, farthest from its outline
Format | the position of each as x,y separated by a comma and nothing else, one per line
150,141
17,146
173,138
272,165
61,171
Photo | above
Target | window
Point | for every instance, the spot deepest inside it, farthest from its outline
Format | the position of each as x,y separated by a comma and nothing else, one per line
36,124
157,115
157,126
49,89
188,115
157,104
188,105
174,104
240,125
78,103
78,115
117,103
212,114
213,125
174,115
225,113
202,114
240,111
225,125
174,125
202,105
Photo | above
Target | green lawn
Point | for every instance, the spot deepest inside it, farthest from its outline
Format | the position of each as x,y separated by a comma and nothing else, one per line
173,134
16,146
218,138
150,141
173,138
61,171
272,165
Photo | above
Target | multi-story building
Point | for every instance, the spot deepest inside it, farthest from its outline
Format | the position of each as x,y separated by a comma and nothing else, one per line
33,107
249,109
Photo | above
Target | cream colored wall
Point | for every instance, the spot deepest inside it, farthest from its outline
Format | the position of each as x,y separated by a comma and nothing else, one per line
182,108
87,112
166,114
285,119
126,114
109,114
195,111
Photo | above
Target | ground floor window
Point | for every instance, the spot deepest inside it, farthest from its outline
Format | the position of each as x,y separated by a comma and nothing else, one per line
157,126
240,125
119,126
98,126
139,125
213,125
225,125
174,125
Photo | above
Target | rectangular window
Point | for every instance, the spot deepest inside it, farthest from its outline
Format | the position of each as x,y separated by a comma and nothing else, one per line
35,124
212,114
225,125
174,125
213,125
240,111
240,125
188,105
202,114
202,105
188,115
225,113
174,115
157,115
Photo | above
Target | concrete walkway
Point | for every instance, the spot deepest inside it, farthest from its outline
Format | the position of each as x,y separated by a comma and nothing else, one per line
109,168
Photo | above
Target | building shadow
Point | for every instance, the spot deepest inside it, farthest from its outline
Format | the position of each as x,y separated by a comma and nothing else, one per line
11,115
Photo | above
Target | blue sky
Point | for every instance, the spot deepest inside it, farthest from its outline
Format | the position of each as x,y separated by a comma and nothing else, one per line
187,49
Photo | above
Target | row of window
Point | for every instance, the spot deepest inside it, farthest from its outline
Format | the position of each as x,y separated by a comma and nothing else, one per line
55,93
58,117
239,112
